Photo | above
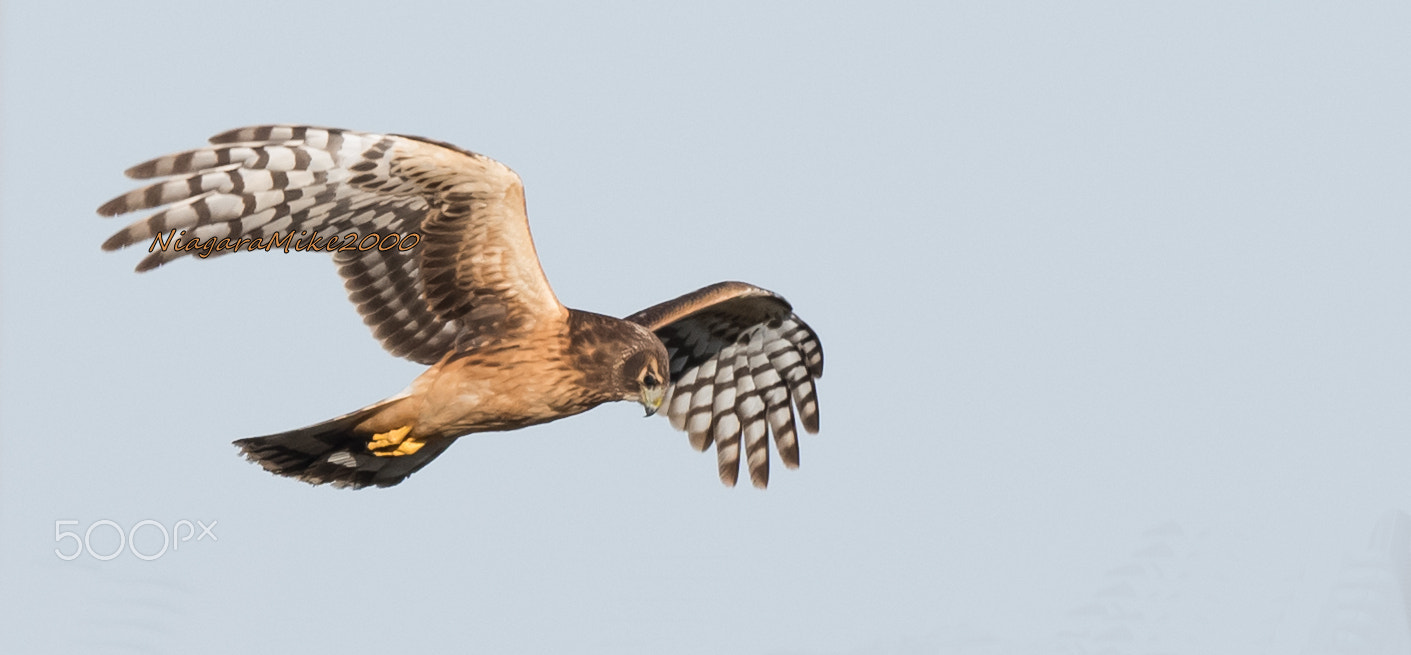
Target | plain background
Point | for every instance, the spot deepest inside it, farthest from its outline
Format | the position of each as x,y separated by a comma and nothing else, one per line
1108,292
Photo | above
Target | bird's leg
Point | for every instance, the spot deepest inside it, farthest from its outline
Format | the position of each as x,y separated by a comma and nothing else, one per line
394,443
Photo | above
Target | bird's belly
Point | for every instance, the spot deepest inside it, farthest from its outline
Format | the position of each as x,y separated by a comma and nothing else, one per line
484,399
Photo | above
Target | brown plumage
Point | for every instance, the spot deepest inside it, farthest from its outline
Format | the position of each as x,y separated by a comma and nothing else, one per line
730,362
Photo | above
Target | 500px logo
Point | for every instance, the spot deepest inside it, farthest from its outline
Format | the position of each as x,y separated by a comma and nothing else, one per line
170,539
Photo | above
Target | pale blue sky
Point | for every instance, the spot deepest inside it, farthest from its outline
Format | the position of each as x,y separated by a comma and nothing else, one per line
1082,272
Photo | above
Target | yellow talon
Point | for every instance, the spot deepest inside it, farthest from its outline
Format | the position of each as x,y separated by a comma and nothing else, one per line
405,448
393,443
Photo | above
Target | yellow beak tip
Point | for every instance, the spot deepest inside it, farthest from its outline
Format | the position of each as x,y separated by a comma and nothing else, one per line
652,403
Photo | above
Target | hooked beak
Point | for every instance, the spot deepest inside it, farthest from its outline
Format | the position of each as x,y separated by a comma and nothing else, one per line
651,399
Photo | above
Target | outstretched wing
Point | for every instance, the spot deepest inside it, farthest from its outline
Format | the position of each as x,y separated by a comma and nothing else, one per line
473,274
739,355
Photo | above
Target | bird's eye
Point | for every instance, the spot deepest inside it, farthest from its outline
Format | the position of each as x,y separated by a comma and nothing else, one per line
650,380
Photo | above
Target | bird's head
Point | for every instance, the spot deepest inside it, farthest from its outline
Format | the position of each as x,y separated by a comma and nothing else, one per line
646,373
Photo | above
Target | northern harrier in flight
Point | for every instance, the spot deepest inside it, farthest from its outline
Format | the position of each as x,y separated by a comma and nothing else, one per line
433,243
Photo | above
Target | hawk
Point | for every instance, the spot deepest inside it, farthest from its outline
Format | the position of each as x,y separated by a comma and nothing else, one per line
433,244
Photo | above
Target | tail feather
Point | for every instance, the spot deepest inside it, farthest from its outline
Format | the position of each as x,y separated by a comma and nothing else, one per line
335,452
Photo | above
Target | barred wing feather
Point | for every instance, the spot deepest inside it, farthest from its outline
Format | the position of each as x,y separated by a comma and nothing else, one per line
743,366
473,271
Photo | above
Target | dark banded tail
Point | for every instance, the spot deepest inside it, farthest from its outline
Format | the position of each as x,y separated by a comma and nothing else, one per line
336,452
